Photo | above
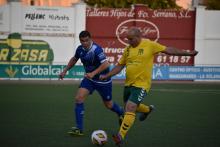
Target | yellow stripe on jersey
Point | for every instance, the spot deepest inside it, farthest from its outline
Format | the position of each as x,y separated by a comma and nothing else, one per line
139,63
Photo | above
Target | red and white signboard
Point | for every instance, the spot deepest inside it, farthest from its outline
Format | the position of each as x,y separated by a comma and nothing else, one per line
168,27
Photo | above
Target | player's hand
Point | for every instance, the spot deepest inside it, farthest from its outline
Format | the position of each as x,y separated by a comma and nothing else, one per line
194,53
103,77
89,75
62,75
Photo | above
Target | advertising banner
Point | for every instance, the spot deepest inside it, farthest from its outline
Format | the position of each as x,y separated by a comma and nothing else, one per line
48,21
15,50
39,72
46,36
159,72
174,28
192,73
181,73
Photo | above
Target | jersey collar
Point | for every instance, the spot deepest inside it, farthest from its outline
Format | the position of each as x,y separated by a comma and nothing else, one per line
89,47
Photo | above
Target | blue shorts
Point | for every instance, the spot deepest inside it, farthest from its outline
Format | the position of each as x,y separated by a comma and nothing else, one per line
104,89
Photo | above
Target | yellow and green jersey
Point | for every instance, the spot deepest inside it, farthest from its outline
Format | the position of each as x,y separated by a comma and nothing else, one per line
139,63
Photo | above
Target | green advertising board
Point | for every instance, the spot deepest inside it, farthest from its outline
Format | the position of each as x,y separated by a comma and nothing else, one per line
15,50
13,71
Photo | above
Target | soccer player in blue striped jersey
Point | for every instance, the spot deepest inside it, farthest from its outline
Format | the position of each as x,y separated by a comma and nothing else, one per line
95,64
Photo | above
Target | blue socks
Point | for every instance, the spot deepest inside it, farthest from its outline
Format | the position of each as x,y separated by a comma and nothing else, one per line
79,113
117,109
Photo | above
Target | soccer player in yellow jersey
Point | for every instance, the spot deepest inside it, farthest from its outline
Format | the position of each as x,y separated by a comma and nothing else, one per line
138,59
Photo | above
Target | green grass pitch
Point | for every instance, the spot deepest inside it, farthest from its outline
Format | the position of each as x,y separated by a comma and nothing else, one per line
39,115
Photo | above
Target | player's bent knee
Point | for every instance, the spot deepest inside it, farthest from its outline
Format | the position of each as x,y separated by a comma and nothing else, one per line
130,107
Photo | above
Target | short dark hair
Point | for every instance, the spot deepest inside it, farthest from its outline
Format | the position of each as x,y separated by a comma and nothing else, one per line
84,34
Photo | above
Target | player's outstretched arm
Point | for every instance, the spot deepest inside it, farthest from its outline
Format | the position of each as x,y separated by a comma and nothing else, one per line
102,67
178,52
70,64
117,69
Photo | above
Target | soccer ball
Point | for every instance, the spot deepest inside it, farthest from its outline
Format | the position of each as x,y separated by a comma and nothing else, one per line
99,137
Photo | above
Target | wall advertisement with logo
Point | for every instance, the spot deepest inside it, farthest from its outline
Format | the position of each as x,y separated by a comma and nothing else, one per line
45,35
39,72
159,72
169,27
48,21
164,72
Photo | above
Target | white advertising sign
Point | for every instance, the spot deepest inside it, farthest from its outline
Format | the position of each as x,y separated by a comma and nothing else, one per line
48,20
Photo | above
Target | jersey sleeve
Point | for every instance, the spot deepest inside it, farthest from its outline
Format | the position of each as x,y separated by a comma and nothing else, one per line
100,55
77,56
157,47
122,60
